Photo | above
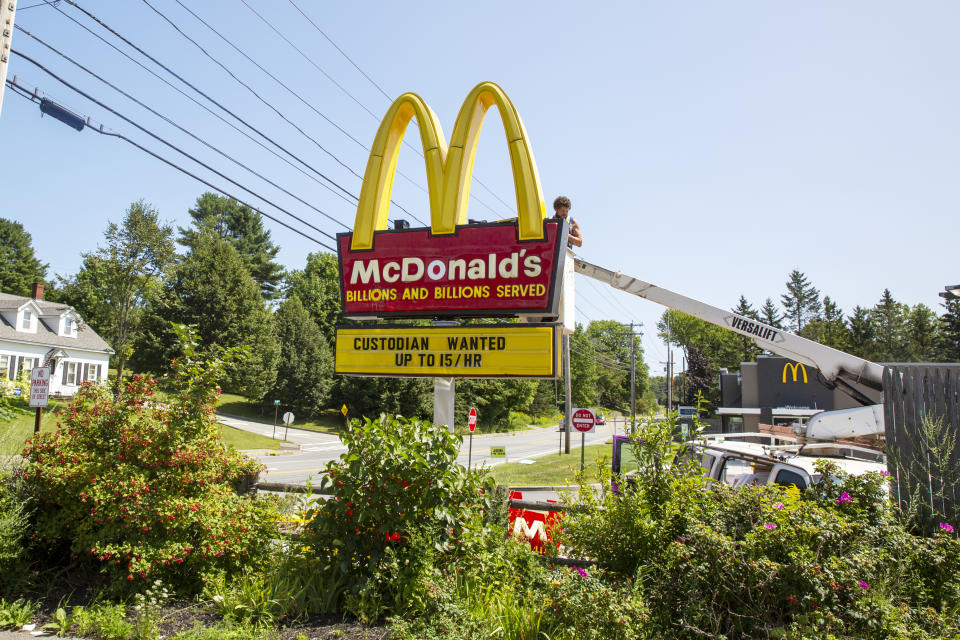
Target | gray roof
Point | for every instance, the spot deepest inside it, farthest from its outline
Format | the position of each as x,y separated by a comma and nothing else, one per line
86,338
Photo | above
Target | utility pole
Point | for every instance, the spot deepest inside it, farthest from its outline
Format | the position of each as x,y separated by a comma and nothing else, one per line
7,9
633,382
669,369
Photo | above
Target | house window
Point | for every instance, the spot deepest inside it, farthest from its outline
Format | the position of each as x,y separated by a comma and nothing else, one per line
70,374
5,366
68,326
91,372
27,319
27,365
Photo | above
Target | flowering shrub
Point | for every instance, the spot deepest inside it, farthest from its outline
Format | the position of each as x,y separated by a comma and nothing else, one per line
769,561
398,497
145,488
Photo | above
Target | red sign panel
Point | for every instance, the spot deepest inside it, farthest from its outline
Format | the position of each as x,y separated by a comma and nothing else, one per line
584,420
472,419
481,270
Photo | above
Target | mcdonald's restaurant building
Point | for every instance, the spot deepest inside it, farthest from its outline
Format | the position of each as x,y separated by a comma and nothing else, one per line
776,392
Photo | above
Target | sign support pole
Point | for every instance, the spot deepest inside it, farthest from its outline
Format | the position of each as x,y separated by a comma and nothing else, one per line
567,407
276,408
470,452
36,424
583,442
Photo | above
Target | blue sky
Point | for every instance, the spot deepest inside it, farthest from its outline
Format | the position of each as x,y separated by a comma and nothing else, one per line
708,147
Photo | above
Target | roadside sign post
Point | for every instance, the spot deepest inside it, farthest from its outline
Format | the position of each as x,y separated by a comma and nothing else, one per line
39,392
472,423
584,421
287,419
276,408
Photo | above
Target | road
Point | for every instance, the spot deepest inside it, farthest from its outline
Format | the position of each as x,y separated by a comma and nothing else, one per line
316,449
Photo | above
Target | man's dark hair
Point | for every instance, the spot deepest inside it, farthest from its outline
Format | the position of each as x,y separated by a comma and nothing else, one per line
561,201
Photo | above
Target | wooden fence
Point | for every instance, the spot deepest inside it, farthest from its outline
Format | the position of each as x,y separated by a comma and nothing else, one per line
922,421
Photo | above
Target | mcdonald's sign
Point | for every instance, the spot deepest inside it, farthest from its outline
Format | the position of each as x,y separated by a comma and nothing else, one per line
793,367
450,268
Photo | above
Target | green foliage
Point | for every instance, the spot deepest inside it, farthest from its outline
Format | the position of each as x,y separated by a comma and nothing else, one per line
15,514
112,287
370,396
398,498
801,301
145,489
305,365
768,561
241,227
227,630
494,400
102,620
588,604
19,267
147,611
318,287
212,290
17,613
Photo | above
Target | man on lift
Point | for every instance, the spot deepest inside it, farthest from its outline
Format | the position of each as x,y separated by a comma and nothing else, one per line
561,207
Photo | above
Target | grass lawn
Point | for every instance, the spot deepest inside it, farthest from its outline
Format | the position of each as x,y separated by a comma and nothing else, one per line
245,440
234,405
14,433
553,469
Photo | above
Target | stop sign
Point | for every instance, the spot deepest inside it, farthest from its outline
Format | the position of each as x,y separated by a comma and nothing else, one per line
472,419
584,420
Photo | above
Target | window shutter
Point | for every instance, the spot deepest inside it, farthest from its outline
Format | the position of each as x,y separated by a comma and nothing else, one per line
64,380
86,369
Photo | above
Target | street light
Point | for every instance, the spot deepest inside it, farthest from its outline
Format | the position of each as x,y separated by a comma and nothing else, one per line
951,292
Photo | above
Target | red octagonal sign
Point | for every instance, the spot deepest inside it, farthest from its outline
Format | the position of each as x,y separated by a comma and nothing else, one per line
584,420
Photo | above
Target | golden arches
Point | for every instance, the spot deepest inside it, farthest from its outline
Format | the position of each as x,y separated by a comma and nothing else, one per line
793,368
448,172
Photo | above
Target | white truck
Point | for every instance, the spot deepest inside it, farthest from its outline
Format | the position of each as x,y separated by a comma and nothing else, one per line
742,463
839,369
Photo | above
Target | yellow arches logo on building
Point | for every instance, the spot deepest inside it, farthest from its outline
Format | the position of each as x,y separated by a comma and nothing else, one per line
449,170
793,368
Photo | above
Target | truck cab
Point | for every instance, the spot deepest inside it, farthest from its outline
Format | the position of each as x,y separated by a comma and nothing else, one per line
741,464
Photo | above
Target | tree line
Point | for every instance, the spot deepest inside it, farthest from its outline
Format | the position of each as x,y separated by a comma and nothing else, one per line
890,331
219,274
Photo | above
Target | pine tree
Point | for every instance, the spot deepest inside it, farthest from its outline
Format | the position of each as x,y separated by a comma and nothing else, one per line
830,329
861,333
242,227
305,365
19,267
318,287
922,334
949,343
801,301
769,314
217,295
749,348
889,318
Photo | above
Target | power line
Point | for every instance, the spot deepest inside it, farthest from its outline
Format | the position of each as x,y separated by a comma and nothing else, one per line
342,52
205,108
196,89
174,124
310,60
264,101
169,144
23,93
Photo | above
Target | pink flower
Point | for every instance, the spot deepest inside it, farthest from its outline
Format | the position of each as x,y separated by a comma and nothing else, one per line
884,473
770,525
946,526
844,497
864,585
583,574
778,506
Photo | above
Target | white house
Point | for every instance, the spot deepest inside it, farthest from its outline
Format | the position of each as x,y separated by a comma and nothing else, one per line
34,333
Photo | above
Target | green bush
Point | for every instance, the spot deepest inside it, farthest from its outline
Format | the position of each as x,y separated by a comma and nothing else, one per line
768,561
398,499
14,524
146,489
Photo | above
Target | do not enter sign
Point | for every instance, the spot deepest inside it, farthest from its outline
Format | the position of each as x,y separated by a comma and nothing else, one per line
472,419
584,420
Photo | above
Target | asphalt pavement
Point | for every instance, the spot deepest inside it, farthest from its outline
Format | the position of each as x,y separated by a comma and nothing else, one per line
306,453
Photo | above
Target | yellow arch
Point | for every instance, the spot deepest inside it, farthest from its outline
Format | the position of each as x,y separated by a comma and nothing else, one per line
793,367
448,173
